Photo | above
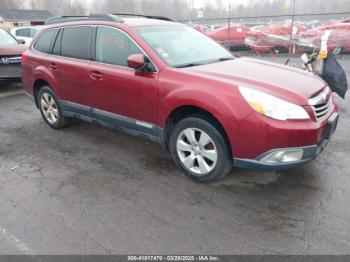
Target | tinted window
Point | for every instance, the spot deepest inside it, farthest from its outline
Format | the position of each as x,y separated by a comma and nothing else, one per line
57,46
44,42
76,42
24,32
114,47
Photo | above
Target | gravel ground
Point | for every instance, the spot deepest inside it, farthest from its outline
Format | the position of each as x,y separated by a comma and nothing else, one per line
90,190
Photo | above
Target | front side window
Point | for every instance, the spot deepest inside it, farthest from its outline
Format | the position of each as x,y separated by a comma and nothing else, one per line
6,38
182,46
114,47
44,43
76,42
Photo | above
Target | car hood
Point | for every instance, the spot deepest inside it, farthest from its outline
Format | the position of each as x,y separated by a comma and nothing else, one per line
286,82
9,50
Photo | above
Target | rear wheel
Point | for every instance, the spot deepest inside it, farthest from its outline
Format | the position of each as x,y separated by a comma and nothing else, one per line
50,108
199,149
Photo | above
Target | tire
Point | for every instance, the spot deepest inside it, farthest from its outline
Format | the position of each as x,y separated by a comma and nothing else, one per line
50,108
192,144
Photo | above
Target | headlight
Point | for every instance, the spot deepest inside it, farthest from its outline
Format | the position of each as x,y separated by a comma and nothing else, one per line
272,106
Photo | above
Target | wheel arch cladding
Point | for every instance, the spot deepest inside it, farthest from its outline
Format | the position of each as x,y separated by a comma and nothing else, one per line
184,111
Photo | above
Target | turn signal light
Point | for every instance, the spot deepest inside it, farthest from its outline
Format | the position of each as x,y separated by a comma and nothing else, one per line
24,58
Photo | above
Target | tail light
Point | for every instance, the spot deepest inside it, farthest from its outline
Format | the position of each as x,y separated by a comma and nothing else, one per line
24,58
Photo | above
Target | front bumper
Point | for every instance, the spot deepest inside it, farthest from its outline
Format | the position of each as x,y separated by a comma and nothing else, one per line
10,73
308,152
6,80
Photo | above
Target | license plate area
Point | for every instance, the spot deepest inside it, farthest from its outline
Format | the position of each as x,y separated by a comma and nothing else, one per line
331,126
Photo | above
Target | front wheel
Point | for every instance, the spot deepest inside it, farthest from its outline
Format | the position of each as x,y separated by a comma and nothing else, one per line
200,150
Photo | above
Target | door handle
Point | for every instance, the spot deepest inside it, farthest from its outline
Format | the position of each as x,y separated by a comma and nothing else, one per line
53,66
95,75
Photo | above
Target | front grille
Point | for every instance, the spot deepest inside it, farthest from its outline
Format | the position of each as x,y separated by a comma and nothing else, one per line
322,110
11,70
5,60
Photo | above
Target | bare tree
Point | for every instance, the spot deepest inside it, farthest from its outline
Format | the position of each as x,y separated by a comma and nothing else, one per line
173,8
63,7
12,4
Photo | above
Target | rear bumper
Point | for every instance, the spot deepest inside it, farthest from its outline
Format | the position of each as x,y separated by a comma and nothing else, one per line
309,154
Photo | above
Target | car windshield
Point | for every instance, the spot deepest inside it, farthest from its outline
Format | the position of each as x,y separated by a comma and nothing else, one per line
33,32
181,46
6,38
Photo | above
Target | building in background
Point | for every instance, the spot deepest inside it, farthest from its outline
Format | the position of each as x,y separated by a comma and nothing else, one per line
10,18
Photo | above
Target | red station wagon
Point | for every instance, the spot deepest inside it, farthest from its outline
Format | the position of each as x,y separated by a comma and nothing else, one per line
173,85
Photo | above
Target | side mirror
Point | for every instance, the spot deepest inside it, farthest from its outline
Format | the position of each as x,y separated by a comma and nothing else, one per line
136,61
21,41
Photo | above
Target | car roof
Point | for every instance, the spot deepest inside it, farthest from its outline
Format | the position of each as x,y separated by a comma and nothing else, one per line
127,21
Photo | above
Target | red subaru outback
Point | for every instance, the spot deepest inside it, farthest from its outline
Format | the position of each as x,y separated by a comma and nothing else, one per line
171,84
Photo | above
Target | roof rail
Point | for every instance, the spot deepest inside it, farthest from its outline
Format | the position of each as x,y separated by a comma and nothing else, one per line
99,17
149,16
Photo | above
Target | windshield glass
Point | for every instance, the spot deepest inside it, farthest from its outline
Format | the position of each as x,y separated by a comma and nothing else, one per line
6,38
33,32
182,46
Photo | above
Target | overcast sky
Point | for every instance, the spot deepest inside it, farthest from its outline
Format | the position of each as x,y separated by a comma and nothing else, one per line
200,3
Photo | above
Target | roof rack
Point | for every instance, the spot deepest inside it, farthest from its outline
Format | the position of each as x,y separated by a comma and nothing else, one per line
99,17
157,17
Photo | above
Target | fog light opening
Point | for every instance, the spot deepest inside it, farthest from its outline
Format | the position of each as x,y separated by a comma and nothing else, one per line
284,156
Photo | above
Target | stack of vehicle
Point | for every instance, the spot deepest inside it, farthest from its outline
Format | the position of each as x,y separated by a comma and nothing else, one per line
272,37
265,38
339,37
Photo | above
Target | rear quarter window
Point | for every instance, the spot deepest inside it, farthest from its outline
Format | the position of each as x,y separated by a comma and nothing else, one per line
44,43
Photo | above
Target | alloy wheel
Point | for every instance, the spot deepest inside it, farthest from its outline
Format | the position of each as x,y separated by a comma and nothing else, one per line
49,108
197,151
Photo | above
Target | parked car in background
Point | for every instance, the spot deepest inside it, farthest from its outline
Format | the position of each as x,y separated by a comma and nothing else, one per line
25,34
10,57
171,84
233,37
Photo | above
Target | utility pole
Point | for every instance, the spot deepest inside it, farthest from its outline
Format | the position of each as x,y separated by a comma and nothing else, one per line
192,8
291,31
229,26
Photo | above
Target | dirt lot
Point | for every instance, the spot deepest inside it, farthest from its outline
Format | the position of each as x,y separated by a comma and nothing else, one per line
90,190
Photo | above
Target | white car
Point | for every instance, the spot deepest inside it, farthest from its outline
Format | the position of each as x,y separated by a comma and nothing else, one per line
25,34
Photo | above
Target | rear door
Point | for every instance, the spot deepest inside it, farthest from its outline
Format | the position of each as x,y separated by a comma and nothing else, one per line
69,63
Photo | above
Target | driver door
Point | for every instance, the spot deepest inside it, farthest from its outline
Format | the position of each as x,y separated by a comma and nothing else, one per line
122,96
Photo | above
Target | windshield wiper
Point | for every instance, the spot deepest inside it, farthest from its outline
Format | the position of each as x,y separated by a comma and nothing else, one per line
189,65
204,63
222,59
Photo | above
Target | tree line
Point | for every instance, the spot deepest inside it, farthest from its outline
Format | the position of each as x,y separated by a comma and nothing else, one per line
179,9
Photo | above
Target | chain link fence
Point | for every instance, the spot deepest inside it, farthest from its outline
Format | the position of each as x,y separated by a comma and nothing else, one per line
278,35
